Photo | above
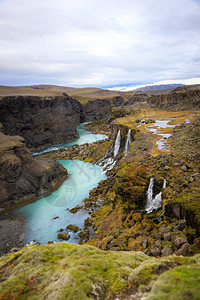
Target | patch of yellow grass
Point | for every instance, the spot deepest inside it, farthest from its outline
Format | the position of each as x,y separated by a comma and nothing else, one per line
174,117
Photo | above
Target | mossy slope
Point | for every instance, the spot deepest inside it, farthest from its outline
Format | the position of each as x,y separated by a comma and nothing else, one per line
67,271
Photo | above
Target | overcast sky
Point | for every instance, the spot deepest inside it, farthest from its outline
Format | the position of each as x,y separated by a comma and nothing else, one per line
99,43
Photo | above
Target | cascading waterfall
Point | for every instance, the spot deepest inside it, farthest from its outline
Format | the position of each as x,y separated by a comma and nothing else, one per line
117,144
154,202
108,161
150,194
128,142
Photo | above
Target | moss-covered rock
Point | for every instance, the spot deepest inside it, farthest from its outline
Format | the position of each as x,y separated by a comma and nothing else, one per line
63,236
72,227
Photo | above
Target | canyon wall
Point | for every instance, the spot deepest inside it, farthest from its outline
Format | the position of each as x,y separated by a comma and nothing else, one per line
41,120
44,121
22,176
100,108
177,100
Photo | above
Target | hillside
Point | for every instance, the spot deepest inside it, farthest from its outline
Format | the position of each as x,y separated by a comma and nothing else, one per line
82,94
182,98
63,271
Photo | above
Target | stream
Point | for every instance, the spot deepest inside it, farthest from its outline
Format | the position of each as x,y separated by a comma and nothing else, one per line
45,217
84,137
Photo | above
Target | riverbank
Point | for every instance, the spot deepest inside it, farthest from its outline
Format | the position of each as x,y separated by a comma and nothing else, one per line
12,229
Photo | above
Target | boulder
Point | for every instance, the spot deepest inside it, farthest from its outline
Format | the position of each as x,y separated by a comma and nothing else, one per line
184,250
166,236
72,227
63,236
158,244
144,244
166,251
175,209
155,251
181,225
179,240
184,168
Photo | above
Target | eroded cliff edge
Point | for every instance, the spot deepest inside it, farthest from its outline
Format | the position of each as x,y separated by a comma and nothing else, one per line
22,176
41,120
49,120
182,98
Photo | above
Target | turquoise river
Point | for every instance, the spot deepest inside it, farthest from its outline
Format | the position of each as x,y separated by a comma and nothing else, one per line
45,217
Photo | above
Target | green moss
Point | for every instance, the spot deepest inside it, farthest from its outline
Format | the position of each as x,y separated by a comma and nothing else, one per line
72,227
65,271
179,283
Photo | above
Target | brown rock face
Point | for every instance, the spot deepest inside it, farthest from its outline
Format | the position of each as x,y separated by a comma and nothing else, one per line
23,177
100,108
41,120
177,100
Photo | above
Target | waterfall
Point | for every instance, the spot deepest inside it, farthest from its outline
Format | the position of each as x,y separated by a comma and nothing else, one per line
164,184
128,142
150,195
117,144
154,203
108,161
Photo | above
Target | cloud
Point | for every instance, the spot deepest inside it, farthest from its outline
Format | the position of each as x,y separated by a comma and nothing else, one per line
98,43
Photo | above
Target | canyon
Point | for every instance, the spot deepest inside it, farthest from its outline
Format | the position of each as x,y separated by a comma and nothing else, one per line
144,215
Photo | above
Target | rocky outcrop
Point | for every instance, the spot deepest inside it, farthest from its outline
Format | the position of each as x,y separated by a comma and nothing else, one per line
177,100
100,108
23,177
41,120
44,121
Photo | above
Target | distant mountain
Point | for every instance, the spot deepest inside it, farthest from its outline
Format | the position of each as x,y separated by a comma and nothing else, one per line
157,87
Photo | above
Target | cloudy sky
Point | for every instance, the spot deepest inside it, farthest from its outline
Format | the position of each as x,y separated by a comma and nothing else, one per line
101,43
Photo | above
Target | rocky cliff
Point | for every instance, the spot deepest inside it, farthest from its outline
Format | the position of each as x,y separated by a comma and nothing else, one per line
45,121
100,108
23,177
179,99
41,120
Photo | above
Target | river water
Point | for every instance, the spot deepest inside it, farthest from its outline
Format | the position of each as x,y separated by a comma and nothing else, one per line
84,137
45,217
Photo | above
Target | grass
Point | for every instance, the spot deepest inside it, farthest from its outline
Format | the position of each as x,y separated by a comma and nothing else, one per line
67,271
181,283
81,94
174,117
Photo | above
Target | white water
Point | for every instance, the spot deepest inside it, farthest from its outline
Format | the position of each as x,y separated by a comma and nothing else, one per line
150,194
128,142
117,144
154,202
108,161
